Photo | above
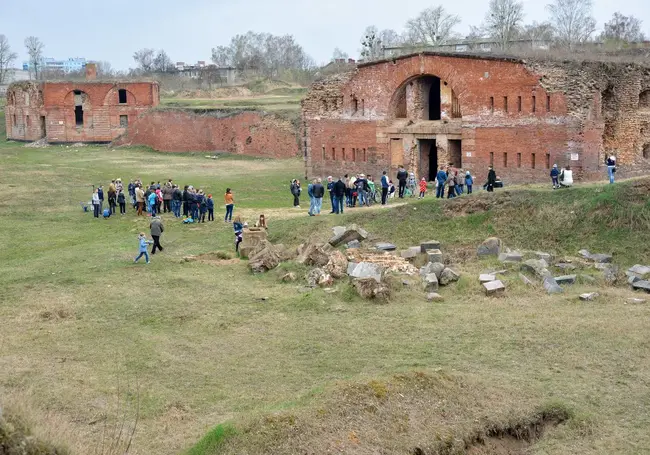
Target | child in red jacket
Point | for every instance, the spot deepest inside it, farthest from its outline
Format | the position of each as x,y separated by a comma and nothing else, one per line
423,188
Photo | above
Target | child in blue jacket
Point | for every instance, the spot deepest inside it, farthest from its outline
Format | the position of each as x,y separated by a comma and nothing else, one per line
469,181
143,242
210,205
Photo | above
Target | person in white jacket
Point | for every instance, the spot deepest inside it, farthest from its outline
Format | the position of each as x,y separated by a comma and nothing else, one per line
96,202
566,177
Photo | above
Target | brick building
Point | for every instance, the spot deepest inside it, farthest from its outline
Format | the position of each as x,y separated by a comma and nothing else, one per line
429,109
85,111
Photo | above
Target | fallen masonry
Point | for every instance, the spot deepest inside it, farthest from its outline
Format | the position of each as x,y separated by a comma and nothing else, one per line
343,234
551,286
494,288
490,247
589,296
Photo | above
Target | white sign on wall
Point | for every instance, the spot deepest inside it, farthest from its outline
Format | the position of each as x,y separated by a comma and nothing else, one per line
575,157
468,153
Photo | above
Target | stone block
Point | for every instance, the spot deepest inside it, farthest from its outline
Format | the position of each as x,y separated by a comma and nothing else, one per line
432,267
536,266
601,258
565,266
589,296
541,255
513,256
430,282
635,300
434,255
565,279
385,246
551,286
364,270
429,245
526,280
642,271
633,279
434,297
494,288
448,276
486,278
354,244
642,285
490,247
347,234
410,253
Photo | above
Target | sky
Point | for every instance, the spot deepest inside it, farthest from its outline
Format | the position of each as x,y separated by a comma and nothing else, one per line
187,30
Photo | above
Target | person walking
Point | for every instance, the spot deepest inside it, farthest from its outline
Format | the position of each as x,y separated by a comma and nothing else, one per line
121,200
157,229
96,203
318,191
385,184
142,244
339,196
402,176
491,179
139,198
441,179
230,204
469,182
611,167
330,187
555,174
295,192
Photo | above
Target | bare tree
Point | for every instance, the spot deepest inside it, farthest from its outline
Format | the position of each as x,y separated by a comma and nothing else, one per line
371,45
35,51
572,20
105,69
338,54
623,29
6,58
144,58
162,63
503,21
222,56
538,34
432,26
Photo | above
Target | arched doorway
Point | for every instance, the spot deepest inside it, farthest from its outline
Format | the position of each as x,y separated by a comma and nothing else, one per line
425,97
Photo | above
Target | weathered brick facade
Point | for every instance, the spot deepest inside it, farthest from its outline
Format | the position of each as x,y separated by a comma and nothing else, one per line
430,109
90,111
247,133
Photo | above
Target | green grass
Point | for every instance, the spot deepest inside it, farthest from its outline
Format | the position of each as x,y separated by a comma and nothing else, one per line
287,101
212,440
197,343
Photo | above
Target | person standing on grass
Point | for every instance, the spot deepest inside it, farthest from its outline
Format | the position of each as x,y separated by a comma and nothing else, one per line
310,193
121,200
157,229
611,167
330,186
412,184
230,204
460,182
423,188
555,177
385,184
112,197
142,243
491,179
351,190
402,176
177,197
131,189
339,196
139,198
152,202
203,206
100,192
167,191
295,192
451,185
318,190
469,181
209,203
441,179
96,203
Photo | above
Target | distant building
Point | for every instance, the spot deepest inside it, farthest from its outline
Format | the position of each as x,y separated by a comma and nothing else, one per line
13,75
222,75
67,66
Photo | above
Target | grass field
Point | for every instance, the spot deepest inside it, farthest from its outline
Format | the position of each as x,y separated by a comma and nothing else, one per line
86,335
271,103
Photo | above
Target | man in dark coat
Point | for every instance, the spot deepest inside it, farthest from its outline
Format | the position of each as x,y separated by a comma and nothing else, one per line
491,179
402,176
339,195
157,229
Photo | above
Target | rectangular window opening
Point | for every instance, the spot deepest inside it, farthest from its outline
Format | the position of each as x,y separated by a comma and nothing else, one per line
532,161
505,159
363,107
79,115
28,121
534,104
519,104
548,161
323,154
121,93
491,105
333,153
518,159
124,121
354,154
343,154
505,103
491,158
15,123
548,103
365,158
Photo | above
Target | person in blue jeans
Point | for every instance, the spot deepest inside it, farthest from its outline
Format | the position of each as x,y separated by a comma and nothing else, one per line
441,178
469,182
611,167
143,242
555,174
385,184
96,203
210,204
152,203
339,196
229,200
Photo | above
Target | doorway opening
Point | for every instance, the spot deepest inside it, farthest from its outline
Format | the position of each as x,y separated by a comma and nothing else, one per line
455,153
433,84
43,127
428,158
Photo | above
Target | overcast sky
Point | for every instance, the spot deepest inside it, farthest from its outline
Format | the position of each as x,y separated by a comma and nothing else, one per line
188,29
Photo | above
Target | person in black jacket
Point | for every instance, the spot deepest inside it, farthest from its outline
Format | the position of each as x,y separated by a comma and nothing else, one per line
330,187
177,199
339,196
491,179
295,191
186,204
402,176
318,190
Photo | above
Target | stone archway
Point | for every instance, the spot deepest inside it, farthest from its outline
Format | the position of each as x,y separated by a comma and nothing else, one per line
424,97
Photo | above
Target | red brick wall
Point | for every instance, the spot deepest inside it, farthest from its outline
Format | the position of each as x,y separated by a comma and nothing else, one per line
247,133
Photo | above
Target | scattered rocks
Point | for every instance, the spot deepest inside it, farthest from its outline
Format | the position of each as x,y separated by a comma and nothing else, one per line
610,275
337,264
526,280
353,244
347,234
536,266
633,279
289,277
494,288
434,255
565,266
551,286
541,255
385,246
430,282
364,270
490,247
513,256
368,288
264,257
635,300
318,277
642,285
432,267
597,258
434,297
486,278
588,296
565,279
430,245
410,253
448,276
641,271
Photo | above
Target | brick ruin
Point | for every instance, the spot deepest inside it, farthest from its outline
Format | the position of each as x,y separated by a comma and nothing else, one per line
430,109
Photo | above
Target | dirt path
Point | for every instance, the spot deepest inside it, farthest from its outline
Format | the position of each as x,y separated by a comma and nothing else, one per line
286,213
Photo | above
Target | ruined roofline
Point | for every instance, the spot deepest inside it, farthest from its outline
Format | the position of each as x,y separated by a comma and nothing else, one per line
476,56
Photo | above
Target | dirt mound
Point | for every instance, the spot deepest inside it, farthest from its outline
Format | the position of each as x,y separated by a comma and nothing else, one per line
477,204
212,258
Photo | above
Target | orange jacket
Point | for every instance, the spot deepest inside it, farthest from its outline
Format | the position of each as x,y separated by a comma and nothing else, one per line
229,199
423,186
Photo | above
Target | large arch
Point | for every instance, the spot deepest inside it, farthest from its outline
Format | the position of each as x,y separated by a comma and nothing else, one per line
112,97
424,97
80,102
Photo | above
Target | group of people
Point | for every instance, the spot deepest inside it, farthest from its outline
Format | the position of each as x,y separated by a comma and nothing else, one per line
190,203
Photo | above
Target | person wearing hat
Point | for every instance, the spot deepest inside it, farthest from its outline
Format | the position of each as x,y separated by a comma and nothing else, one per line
555,174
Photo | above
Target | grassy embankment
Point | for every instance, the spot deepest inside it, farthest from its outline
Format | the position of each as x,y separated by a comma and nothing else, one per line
80,324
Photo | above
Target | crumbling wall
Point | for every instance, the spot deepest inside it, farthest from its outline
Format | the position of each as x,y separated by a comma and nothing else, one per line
245,133
23,111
